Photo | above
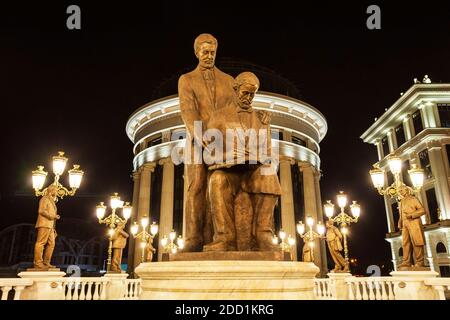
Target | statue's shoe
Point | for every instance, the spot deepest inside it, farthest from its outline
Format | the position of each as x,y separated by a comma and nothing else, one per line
420,267
40,266
404,266
48,265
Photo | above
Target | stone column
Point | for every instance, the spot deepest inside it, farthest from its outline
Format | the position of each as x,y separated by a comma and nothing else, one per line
379,149
394,140
184,199
287,135
166,213
311,206
322,250
440,178
143,202
429,112
131,241
287,201
421,195
408,127
389,214
391,141
430,254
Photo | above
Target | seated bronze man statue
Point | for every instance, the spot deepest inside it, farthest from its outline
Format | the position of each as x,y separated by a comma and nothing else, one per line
243,186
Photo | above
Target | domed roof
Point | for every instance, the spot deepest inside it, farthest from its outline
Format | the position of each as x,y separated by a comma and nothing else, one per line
270,80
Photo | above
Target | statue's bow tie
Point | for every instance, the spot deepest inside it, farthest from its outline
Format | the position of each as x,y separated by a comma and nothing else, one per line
208,74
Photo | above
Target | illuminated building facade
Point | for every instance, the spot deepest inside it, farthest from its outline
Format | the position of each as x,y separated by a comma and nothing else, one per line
417,129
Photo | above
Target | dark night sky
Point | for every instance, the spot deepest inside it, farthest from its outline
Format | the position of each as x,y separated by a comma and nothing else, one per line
74,90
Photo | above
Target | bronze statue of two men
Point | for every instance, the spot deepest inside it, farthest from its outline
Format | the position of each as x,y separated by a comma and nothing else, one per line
232,182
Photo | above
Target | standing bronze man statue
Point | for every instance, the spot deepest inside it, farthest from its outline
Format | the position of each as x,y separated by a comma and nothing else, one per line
201,92
45,226
410,224
334,238
119,242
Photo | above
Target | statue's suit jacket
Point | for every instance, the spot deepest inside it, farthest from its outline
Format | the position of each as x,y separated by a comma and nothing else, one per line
334,237
414,225
230,118
197,103
119,239
47,213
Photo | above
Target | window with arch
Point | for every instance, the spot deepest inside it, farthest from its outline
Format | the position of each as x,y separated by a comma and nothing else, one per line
440,248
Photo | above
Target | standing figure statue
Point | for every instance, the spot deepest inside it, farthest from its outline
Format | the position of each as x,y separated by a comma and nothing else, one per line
334,238
308,252
243,186
46,233
149,250
410,223
119,242
201,92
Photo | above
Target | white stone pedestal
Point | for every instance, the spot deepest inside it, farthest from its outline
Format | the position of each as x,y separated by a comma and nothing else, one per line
47,285
115,289
409,285
338,284
227,280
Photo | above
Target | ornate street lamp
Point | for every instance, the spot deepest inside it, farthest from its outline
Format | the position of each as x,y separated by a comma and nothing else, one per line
113,220
310,235
145,236
343,219
395,166
286,244
59,165
169,244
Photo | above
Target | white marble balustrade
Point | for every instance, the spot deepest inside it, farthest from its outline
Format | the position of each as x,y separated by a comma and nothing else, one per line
16,284
133,289
440,285
370,288
323,289
76,288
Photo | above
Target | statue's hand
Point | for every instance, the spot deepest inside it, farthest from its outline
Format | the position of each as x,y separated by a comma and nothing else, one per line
57,217
264,116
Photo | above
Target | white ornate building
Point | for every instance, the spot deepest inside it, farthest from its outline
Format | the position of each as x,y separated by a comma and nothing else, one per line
417,128
159,189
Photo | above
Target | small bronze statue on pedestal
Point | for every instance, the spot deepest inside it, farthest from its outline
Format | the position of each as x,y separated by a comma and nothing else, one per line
410,224
45,227
334,238
119,242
